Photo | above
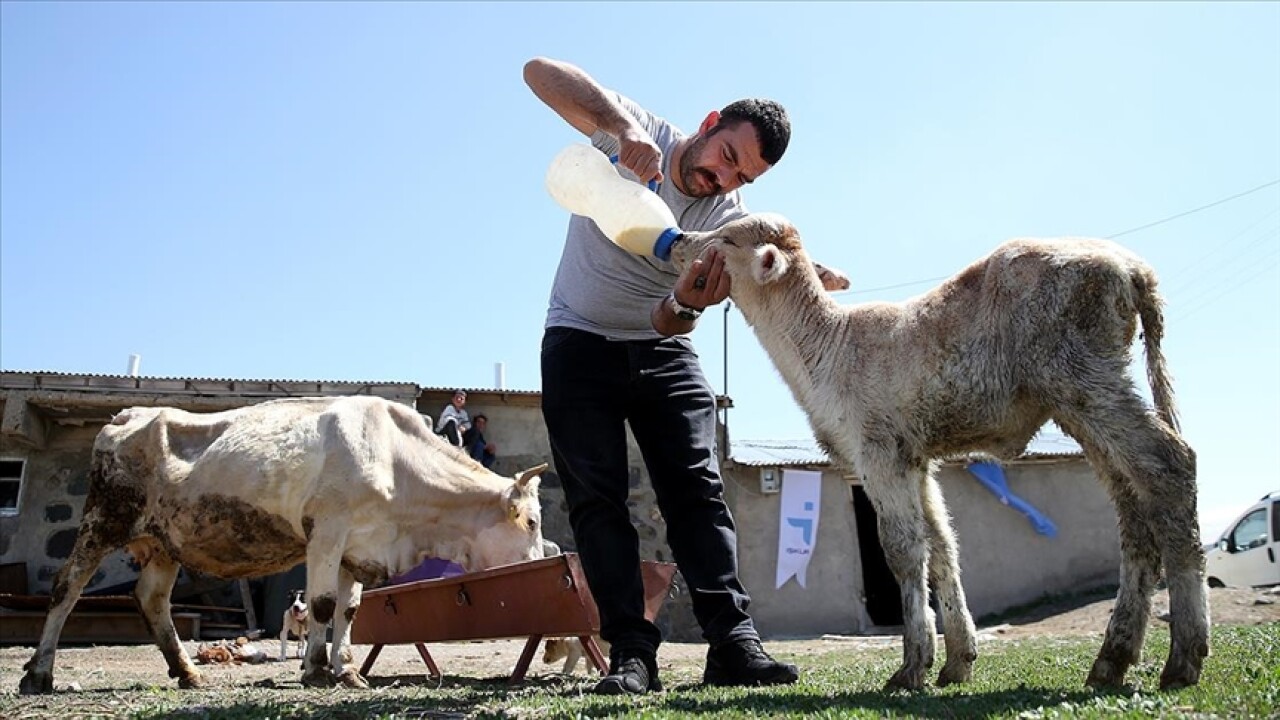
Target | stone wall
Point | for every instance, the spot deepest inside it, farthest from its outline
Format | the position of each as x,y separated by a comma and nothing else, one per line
55,484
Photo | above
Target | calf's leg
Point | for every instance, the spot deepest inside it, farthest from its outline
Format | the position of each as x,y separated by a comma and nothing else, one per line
349,592
1139,571
92,545
902,535
324,563
1151,472
155,585
944,576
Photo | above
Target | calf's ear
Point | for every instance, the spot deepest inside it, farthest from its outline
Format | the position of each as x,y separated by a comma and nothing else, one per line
769,264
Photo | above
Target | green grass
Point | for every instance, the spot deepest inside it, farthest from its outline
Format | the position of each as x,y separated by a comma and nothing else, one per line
1035,679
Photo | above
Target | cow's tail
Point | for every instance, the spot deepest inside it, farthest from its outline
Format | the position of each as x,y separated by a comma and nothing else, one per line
1150,311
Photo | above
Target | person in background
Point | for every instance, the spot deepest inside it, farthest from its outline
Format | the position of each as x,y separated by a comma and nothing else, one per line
615,353
454,421
474,442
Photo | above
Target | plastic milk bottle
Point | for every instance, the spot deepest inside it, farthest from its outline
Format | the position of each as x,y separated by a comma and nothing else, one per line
584,182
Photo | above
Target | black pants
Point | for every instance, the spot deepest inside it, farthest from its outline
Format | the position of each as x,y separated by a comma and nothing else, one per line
450,433
592,387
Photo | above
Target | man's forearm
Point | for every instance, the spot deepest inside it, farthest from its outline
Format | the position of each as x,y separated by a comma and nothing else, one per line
577,97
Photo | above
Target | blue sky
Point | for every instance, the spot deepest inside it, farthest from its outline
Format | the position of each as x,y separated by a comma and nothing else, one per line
354,192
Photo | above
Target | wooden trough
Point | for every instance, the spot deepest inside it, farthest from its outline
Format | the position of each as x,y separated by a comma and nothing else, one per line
535,599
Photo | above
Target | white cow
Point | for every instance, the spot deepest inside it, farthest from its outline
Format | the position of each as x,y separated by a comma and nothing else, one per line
1037,330
357,487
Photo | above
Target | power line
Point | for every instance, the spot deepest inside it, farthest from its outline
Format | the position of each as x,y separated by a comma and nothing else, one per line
892,287
1109,237
1196,210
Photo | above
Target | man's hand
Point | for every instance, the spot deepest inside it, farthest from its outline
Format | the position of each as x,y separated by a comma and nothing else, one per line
832,280
704,282
638,153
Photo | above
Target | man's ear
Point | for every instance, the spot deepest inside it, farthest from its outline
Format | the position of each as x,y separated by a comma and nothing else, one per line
769,264
709,122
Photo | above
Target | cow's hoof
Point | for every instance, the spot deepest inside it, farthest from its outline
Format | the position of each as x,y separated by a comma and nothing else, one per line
320,677
957,672
907,678
1178,675
351,678
1106,674
35,683
194,681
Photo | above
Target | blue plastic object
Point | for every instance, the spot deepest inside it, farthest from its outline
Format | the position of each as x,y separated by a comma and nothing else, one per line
653,184
991,476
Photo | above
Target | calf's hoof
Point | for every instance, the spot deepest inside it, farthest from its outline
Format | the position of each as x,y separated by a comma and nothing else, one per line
1179,674
35,683
318,677
907,678
952,673
351,678
1106,674
194,681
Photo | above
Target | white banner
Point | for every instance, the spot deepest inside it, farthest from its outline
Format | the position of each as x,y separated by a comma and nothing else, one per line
798,524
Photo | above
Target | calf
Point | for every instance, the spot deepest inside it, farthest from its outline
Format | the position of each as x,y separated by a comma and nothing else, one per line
1037,330
571,651
357,487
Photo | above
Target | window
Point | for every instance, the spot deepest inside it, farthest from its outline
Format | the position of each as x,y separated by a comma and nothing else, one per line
1251,532
10,485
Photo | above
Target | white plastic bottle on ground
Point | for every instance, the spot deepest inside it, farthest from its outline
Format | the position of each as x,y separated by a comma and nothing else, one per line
584,182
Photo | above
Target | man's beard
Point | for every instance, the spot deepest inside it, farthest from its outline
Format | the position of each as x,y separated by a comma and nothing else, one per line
692,176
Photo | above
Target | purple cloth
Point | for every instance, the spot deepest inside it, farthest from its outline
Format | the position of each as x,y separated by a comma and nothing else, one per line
429,569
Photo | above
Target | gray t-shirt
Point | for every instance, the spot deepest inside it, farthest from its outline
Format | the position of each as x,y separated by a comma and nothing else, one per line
603,289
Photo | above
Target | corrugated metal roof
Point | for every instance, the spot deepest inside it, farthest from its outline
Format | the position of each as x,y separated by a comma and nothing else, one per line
780,453
1050,442
470,390
18,375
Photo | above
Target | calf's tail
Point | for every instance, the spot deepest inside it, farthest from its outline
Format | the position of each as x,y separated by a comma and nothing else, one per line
1150,311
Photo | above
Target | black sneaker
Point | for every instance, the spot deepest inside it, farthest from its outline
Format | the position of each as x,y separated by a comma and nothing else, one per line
744,662
630,676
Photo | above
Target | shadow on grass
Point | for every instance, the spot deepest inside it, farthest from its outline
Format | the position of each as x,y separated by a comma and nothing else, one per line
881,704
467,697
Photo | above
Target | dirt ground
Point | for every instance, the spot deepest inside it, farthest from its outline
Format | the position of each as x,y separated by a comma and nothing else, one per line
115,667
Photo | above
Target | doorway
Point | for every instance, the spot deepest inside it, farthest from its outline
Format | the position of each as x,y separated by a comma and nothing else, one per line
884,598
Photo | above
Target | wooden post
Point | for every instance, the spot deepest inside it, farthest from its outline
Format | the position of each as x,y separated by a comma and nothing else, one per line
250,617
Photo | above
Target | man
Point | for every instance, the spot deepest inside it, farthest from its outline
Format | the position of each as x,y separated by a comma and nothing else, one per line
476,445
614,352
454,420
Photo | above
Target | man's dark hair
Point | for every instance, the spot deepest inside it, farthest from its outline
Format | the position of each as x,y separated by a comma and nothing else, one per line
480,416
770,121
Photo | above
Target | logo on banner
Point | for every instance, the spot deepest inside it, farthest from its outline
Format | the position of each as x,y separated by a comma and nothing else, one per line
798,523
806,529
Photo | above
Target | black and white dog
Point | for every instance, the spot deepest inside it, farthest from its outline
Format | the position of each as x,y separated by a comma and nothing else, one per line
294,621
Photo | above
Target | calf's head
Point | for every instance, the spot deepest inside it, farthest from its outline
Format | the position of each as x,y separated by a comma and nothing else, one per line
517,535
758,249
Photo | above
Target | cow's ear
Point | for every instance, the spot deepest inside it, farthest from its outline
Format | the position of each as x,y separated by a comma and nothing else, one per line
528,479
769,264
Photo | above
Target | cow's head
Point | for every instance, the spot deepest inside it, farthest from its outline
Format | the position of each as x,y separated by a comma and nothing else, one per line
517,536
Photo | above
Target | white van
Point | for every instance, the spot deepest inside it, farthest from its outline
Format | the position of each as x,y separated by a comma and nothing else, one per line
1246,554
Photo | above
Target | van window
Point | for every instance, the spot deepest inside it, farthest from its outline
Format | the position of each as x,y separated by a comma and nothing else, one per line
1275,520
1251,532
